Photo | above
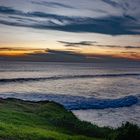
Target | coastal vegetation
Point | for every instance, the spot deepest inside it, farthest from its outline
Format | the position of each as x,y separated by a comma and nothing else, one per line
45,120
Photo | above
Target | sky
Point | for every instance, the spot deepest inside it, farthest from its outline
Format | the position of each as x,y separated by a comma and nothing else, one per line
70,30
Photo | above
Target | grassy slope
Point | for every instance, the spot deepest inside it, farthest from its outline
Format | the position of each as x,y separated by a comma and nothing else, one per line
20,120
40,121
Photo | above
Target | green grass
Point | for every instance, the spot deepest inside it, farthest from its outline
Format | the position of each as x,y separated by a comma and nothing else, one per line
22,120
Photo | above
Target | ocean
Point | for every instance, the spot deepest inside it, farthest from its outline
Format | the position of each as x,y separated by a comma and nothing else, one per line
106,94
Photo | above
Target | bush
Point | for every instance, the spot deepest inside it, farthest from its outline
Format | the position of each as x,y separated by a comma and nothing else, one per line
127,131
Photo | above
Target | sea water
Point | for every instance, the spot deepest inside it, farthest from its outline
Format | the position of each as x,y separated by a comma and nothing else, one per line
106,94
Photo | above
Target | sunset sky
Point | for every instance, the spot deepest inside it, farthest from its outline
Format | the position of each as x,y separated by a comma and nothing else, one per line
70,30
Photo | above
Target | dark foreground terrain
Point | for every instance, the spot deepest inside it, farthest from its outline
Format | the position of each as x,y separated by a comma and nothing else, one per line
25,120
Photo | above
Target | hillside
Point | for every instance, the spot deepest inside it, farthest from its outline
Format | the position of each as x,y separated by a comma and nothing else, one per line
44,120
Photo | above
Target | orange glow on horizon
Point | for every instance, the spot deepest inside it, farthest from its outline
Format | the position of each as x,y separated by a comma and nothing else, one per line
88,51
110,52
16,53
12,53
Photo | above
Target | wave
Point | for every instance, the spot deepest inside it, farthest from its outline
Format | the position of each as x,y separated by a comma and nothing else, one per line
61,77
78,102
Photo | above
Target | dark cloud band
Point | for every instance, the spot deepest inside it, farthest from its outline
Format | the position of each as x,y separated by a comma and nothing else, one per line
76,44
106,25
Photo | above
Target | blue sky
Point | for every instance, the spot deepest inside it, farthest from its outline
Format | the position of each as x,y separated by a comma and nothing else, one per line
87,27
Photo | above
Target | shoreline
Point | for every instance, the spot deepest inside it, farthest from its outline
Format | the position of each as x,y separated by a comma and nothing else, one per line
76,102
91,115
103,116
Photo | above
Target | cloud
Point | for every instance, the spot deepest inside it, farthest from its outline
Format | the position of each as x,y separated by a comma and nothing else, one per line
130,17
7,51
94,43
40,20
132,55
52,4
67,56
111,2
124,5
9,10
18,49
117,46
132,47
49,56
76,44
